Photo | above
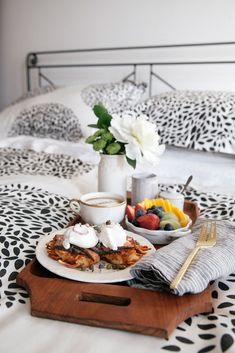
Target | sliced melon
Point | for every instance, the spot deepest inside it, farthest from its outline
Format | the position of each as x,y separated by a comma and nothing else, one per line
169,215
176,224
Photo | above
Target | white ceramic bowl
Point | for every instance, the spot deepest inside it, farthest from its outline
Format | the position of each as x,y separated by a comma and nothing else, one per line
160,237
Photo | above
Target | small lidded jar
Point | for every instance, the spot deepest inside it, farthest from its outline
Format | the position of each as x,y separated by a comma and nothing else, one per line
174,197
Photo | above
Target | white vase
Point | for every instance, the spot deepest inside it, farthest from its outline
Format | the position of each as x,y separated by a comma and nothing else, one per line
112,174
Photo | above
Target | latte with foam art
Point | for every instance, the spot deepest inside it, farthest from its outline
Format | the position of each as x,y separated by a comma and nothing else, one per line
104,202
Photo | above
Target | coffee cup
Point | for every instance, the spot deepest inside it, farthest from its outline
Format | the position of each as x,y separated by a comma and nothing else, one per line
99,207
174,197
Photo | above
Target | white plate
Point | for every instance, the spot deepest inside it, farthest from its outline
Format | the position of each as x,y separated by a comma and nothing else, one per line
160,237
98,276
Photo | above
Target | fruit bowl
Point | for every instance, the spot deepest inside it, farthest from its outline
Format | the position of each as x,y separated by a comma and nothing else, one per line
160,237
158,220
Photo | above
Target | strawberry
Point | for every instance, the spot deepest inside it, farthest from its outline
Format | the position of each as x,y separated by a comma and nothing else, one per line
139,210
130,212
149,221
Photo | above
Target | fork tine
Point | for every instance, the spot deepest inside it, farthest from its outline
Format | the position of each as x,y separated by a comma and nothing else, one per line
203,233
213,233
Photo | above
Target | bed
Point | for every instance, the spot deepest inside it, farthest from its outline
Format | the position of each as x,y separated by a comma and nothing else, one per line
45,162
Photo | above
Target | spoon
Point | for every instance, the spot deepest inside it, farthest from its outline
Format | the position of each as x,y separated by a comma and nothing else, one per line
187,183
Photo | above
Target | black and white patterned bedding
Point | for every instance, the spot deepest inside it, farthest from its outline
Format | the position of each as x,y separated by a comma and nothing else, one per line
47,120
30,213
201,120
22,161
115,96
63,113
26,214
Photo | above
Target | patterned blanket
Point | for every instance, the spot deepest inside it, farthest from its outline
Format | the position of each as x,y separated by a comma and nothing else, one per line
21,161
29,213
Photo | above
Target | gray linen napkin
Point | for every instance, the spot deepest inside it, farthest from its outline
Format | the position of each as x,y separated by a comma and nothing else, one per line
157,270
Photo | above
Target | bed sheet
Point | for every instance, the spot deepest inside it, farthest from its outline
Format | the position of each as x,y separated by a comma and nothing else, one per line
35,184
212,172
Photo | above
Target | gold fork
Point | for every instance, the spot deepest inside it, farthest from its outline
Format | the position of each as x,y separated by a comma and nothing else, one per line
205,240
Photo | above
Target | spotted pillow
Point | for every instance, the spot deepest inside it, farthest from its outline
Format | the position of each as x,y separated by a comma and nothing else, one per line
48,120
200,120
116,97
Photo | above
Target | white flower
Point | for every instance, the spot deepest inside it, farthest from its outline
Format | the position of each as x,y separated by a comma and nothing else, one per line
140,137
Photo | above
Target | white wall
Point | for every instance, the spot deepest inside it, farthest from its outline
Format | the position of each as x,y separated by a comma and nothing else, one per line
27,25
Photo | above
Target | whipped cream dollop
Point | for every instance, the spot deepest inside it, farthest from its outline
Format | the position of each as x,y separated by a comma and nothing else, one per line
81,235
112,235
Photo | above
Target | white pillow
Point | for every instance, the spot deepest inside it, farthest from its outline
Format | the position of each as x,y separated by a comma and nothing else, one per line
115,96
35,92
200,120
70,97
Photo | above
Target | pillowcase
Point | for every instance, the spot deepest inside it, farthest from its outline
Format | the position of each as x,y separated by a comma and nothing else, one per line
35,92
13,121
51,120
116,97
69,97
201,120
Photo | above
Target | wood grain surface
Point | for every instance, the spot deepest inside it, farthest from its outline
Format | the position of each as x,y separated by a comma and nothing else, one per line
108,305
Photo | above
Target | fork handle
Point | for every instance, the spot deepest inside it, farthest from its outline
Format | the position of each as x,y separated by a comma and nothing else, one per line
174,284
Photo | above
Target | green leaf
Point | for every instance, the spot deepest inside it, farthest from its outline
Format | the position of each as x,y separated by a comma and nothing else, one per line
113,148
131,162
99,110
91,139
107,136
104,121
93,125
100,132
104,118
99,145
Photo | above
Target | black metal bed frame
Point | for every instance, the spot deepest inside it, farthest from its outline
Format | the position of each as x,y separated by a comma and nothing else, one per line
33,61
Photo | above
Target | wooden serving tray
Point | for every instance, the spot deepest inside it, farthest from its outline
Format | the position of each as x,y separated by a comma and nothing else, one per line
106,305
115,306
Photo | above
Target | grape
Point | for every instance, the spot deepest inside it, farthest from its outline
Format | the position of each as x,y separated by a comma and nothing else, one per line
158,211
168,226
139,213
135,223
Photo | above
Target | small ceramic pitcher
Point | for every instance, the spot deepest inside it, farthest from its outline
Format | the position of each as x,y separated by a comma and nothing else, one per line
143,185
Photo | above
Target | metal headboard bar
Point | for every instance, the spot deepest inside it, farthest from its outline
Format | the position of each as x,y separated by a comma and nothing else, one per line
153,74
32,60
41,75
132,48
